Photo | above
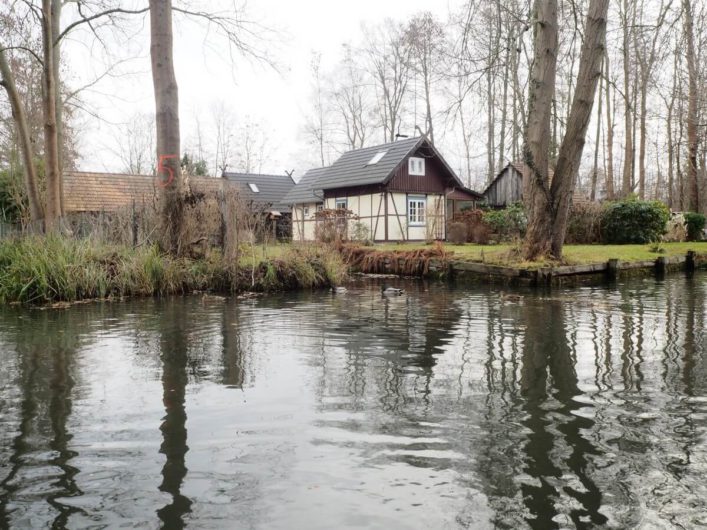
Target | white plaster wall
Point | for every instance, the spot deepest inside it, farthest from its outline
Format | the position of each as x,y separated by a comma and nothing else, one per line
368,206
303,231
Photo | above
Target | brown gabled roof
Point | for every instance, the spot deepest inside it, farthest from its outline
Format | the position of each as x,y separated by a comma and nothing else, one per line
95,192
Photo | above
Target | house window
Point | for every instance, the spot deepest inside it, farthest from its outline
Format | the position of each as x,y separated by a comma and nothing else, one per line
253,187
342,204
417,207
376,158
305,211
416,166
320,207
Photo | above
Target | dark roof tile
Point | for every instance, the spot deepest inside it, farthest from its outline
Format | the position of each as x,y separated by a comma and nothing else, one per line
303,191
271,188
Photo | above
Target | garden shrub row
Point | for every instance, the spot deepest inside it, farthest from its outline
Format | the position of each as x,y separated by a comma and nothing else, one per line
616,222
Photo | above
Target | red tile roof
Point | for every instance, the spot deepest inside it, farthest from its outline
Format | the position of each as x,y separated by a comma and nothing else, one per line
95,192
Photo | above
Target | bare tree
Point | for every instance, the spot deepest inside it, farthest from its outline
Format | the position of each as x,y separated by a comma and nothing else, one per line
253,147
628,23
7,81
549,202
646,43
224,121
351,102
167,121
389,54
692,112
426,39
316,126
136,145
609,131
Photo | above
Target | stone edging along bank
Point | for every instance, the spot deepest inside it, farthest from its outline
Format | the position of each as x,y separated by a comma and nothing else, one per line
559,275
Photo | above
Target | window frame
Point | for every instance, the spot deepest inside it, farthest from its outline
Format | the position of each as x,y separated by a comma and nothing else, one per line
339,202
419,210
305,211
411,166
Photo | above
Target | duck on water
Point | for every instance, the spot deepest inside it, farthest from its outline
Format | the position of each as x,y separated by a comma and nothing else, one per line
387,290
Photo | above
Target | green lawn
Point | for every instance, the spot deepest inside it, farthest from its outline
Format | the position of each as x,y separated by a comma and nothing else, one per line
573,254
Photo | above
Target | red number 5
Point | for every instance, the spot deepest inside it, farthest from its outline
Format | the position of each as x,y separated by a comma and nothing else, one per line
162,169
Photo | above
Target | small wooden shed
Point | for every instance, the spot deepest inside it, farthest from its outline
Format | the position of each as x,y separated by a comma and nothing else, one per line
507,187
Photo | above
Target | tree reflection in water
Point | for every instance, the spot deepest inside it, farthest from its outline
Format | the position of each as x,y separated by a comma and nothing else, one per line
447,406
174,356
46,344
549,386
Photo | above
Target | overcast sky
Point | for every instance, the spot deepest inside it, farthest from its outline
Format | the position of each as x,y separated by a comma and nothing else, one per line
278,101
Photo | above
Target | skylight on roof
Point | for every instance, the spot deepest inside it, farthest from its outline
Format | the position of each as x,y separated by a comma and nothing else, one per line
253,187
377,158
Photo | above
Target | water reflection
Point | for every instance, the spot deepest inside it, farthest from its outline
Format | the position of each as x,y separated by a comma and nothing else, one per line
549,385
443,408
174,346
39,459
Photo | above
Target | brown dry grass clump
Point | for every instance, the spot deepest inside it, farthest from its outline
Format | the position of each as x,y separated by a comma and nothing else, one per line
407,263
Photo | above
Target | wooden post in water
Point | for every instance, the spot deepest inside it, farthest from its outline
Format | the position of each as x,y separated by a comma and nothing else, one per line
690,261
661,265
134,225
612,269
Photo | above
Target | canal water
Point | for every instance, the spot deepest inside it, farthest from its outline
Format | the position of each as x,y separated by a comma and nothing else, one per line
448,407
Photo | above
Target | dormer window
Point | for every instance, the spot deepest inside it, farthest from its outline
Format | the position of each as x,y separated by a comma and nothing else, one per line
377,158
416,166
253,187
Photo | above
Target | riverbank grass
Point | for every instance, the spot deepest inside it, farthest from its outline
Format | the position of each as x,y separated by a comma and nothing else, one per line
38,270
508,255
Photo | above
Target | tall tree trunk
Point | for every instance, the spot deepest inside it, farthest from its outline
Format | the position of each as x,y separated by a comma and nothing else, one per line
590,62
628,120
56,64
49,103
669,130
491,132
549,206
167,120
609,135
19,116
642,143
597,140
671,183
536,150
693,203
514,102
429,126
504,108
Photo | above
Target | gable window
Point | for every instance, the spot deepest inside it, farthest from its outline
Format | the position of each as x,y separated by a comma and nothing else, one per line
376,158
253,187
417,207
416,166
342,204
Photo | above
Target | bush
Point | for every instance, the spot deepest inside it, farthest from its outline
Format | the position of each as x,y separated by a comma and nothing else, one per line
333,225
634,221
480,234
584,224
695,225
360,232
457,232
509,223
